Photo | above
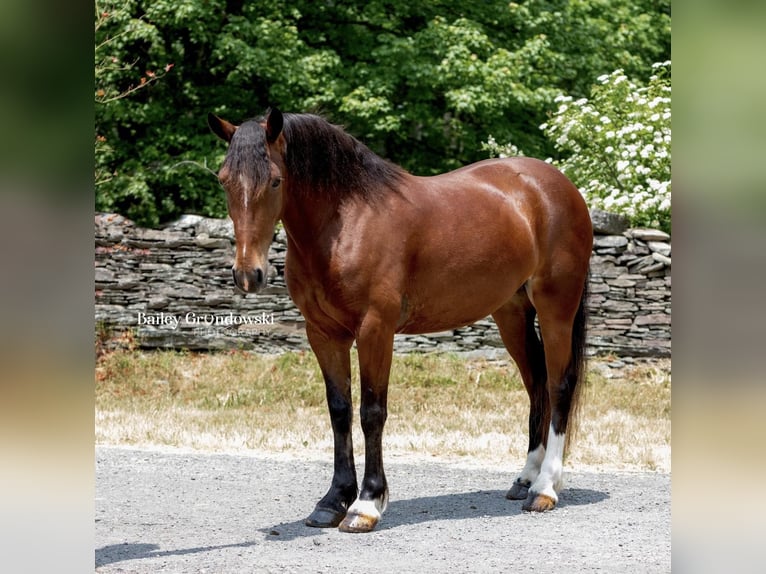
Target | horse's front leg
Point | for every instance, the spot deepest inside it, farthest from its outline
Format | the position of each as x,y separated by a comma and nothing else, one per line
334,360
375,342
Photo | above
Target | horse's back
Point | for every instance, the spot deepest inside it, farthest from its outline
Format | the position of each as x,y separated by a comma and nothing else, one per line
523,178
530,191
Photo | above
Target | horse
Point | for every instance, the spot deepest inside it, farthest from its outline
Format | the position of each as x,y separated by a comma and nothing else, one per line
373,250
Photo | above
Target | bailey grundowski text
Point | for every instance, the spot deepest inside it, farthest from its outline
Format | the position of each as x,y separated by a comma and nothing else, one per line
173,321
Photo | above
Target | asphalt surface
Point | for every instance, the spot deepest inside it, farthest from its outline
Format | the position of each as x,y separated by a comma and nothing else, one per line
160,511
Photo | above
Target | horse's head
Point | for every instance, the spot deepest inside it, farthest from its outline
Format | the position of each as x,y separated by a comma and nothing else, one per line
252,175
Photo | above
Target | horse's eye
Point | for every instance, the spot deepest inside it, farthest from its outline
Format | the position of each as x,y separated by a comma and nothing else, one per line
276,182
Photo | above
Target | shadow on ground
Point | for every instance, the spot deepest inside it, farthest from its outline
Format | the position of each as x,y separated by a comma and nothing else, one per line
458,506
127,551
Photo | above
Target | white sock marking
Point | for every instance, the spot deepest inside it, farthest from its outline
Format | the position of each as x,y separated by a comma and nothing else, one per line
532,467
368,508
373,508
550,480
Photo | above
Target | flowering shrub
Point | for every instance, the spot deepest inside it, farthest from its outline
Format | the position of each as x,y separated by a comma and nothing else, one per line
616,145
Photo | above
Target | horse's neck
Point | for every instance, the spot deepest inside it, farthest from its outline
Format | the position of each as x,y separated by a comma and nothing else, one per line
306,223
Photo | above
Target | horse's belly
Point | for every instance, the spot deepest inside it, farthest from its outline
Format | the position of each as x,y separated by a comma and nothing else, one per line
423,326
445,309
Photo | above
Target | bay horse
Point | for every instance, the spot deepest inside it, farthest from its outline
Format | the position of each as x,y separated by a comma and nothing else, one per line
373,250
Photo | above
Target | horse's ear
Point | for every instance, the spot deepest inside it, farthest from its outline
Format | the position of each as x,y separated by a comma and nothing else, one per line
274,125
220,127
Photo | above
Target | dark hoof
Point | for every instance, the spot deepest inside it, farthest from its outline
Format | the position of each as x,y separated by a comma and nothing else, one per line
325,518
519,490
538,503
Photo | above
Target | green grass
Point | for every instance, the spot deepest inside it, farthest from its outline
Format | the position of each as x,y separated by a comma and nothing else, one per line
439,406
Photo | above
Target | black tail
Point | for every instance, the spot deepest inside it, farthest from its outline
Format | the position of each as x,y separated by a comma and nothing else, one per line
577,364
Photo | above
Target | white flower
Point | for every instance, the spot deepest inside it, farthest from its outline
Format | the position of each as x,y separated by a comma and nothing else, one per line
630,124
646,152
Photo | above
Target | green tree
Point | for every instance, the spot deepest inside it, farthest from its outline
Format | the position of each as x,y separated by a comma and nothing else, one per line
421,83
616,145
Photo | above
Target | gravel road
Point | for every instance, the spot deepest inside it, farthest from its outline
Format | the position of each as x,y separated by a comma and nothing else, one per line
159,511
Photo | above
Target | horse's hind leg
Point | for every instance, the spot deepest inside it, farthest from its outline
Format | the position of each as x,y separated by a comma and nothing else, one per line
516,324
561,311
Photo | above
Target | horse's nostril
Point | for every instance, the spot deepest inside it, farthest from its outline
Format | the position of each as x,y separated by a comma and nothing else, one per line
249,281
236,278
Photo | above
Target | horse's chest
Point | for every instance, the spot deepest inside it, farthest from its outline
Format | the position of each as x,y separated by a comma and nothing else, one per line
320,293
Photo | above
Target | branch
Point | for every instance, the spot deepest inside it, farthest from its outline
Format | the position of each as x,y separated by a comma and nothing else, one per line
149,78
195,164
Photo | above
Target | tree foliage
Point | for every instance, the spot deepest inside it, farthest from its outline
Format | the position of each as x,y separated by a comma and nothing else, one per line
422,83
616,145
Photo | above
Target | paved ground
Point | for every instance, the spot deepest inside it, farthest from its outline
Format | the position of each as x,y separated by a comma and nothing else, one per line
177,512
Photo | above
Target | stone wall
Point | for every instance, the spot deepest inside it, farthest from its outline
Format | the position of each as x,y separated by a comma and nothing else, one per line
172,288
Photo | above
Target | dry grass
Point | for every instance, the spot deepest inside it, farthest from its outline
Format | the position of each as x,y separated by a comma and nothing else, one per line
439,406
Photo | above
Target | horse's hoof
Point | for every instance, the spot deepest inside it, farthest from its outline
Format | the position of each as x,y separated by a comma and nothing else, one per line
538,503
324,518
519,490
364,515
358,523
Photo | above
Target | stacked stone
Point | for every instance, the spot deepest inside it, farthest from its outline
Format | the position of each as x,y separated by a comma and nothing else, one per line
630,290
185,267
183,272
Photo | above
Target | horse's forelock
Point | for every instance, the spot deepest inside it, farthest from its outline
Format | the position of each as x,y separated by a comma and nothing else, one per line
247,156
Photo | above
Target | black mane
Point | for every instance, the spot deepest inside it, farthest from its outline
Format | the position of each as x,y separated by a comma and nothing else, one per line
322,159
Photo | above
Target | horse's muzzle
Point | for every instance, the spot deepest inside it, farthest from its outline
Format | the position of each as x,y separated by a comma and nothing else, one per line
249,280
